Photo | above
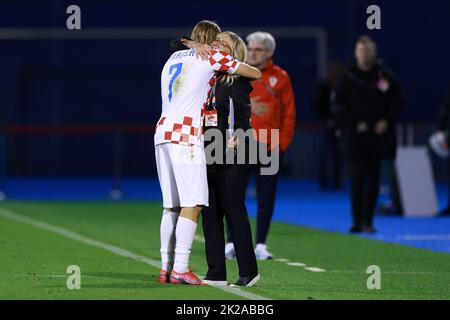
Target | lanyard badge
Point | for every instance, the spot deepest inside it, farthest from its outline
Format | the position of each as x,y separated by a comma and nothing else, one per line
211,117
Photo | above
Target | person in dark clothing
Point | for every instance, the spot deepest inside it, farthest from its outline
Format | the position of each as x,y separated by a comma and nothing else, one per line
367,102
330,163
227,183
444,126
2,155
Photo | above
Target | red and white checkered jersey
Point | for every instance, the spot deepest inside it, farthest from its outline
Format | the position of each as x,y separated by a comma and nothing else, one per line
185,85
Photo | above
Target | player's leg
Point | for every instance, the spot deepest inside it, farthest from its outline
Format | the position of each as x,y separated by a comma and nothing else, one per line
189,167
185,233
170,214
167,236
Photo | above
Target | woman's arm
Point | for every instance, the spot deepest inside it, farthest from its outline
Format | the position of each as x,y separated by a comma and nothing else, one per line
201,50
177,44
184,43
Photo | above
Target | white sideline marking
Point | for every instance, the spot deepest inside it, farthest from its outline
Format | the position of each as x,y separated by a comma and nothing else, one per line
281,260
314,269
199,238
114,249
43,276
384,272
423,237
296,264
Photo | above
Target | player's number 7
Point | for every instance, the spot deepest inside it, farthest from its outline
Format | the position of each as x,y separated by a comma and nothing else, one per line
177,72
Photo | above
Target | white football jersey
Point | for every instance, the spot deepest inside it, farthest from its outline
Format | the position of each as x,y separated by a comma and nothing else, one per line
185,85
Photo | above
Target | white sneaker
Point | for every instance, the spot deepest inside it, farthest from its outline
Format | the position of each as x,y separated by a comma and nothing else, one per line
215,283
229,251
261,252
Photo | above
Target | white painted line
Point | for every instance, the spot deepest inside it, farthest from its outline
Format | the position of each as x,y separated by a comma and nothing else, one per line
314,269
423,237
281,260
296,264
199,238
108,247
43,276
384,272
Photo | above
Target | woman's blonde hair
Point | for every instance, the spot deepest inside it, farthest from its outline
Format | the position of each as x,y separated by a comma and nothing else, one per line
238,50
205,32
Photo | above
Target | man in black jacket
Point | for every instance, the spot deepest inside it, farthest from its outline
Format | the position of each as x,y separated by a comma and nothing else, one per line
2,154
330,162
444,126
367,102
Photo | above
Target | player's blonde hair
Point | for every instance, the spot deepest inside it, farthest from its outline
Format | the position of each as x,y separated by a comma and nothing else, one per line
205,32
238,50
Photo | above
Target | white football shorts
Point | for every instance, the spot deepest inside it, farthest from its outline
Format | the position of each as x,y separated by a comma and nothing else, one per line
182,175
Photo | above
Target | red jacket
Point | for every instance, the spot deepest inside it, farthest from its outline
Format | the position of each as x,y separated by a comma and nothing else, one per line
275,89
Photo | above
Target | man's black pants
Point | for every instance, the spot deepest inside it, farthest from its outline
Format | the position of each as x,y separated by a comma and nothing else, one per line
365,177
227,185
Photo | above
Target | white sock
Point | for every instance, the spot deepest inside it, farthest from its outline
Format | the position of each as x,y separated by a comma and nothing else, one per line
184,233
167,232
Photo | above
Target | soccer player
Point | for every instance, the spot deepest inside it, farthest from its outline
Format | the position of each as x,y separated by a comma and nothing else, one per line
185,86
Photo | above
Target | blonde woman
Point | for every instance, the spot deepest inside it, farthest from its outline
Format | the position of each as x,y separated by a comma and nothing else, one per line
227,183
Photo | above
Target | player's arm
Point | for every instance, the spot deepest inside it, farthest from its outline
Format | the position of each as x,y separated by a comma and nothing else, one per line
222,62
248,71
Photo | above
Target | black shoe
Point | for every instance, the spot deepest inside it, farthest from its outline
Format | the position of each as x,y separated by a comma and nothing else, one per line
389,208
445,212
246,281
369,229
356,229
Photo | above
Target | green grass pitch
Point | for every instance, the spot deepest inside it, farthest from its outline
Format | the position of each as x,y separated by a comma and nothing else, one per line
33,260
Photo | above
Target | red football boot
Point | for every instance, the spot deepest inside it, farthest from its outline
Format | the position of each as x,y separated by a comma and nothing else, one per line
188,278
164,276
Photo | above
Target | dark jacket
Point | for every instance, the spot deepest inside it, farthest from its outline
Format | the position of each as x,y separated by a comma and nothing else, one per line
239,94
321,101
370,96
321,105
444,117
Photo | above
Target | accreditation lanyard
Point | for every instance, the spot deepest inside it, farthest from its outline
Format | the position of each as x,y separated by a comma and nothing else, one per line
211,118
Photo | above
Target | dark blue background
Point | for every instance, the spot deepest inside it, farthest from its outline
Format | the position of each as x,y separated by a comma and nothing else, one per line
74,82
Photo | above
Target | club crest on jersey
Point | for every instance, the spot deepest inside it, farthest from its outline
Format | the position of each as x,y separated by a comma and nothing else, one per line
273,81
